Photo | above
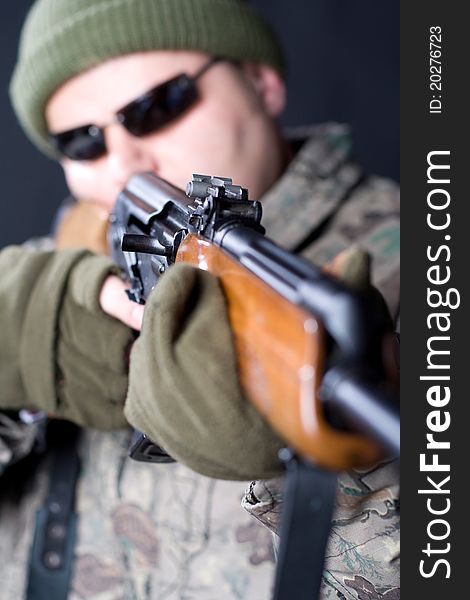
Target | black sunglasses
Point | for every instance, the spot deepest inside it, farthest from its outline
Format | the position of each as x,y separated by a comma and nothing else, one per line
146,114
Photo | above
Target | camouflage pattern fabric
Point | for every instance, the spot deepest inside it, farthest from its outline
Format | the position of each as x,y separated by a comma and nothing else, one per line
167,532
362,557
148,532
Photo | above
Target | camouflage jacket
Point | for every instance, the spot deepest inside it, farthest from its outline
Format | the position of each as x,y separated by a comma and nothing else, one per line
148,532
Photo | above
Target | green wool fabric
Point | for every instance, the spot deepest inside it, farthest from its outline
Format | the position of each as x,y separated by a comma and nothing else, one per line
60,353
62,38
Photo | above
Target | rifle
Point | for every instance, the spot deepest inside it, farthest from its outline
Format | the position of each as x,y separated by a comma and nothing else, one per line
309,350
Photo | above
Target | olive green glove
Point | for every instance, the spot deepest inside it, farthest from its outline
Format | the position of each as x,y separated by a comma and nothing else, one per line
59,351
183,385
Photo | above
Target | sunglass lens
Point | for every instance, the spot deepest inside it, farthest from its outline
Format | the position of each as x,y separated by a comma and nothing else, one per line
82,143
160,106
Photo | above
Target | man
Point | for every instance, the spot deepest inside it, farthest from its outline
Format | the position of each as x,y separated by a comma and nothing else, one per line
95,87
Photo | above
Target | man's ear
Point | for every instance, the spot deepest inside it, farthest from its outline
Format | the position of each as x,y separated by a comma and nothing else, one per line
268,85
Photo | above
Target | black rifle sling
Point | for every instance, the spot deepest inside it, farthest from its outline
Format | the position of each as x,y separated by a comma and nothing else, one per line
52,552
309,498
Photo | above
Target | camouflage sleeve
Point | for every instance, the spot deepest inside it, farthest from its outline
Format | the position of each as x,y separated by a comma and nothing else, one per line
363,557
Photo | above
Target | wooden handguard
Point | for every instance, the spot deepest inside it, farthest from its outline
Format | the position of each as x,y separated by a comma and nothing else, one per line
280,359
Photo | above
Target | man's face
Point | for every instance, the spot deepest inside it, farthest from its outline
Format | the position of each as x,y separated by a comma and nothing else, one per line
229,132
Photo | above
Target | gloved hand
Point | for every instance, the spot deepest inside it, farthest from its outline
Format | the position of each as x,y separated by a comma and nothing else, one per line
59,351
183,385
184,391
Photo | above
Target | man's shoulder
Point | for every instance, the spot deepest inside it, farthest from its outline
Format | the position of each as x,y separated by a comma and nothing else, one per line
369,218
312,187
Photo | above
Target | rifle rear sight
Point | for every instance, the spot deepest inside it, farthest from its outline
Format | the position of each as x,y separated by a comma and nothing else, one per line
218,203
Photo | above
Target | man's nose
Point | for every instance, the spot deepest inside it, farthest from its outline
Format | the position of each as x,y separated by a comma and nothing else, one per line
126,154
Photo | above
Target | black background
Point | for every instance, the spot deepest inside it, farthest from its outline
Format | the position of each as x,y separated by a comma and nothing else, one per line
343,60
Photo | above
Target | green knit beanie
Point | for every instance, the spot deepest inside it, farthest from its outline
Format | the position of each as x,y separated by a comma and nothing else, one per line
62,38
